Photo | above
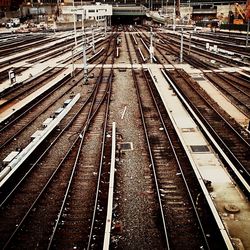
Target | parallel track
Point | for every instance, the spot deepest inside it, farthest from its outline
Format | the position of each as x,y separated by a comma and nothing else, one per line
176,194
228,134
238,92
57,180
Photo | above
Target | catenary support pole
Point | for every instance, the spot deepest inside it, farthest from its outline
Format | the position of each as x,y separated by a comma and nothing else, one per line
151,48
93,39
74,15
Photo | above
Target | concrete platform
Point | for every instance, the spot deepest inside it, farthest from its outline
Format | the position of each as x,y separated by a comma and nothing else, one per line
217,95
207,166
8,112
37,68
212,91
32,72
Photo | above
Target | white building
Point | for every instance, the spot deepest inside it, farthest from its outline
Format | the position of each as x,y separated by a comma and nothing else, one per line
96,12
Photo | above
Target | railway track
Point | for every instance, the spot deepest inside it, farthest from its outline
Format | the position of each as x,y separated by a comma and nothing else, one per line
229,135
198,59
177,215
5,74
230,39
24,43
180,218
79,137
237,90
241,139
170,53
18,58
54,206
240,51
196,54
20,91
26,121
31,112
61,168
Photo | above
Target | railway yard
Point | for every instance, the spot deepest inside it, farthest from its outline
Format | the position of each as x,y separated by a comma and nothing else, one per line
131,150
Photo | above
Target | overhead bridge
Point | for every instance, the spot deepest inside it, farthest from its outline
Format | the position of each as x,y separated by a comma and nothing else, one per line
129,10
128,14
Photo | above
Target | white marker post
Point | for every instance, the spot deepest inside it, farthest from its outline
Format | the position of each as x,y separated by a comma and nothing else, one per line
181,51
105,27
85,67
82,18
189,46
73,68
12,77
93,39
174,17
151,48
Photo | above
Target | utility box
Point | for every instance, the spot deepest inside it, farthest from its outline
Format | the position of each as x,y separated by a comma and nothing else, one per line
12,76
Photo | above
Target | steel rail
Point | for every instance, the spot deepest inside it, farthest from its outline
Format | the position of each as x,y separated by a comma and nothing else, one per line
150,152
230,83
244,81
101,160
102,149
27,87
202,52
240,167
178,163
27,110
91,114
50,146
237,99
36,102
182,173
90,117
39,113
69,123
152,161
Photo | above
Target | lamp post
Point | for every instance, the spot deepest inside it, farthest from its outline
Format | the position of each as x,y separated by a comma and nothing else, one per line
189,46
189,11
174,17
82,17
105,26
248,22
72,57
166,7
37,14
74,22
